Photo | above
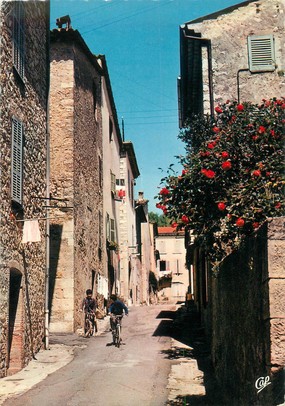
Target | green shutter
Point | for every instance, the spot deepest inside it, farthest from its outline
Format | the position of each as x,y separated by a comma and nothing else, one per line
18,38
17,160
261,53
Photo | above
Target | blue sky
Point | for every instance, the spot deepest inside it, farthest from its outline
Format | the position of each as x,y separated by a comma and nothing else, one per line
140,39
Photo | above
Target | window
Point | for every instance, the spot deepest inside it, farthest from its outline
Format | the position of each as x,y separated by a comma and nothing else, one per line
95,100
100,220
120,182
110,129
261,53
113,183
164,266
108,227
112,230
18,38
100,172
130,187
17,160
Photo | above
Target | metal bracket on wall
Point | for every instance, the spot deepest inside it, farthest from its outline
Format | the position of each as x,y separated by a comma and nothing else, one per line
62,203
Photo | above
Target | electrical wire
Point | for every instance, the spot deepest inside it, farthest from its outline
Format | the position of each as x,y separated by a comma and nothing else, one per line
126,17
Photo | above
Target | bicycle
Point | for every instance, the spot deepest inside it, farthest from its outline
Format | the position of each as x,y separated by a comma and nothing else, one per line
116,332
89,324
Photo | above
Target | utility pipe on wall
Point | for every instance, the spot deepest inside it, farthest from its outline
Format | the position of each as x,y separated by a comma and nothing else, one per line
47,189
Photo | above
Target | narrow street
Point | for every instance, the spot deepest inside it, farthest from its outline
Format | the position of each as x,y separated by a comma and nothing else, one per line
100,374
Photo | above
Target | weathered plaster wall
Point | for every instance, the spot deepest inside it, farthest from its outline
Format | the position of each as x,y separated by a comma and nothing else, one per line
228,34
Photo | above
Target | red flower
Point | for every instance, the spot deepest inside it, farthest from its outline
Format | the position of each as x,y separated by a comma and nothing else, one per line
277,205
221,206
164,191
261,129
226,165
211,145
184,171
240,222
174,225
218,109
185,219
255,137
256,173
203,154
208,173
158,205
216,129
268,174
225,154
255,225
272,132
240,107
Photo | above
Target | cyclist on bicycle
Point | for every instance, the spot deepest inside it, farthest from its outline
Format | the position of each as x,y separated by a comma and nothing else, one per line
89,305
117,308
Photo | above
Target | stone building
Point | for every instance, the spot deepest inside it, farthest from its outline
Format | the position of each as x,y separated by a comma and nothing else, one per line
24,83
234,54
173,274
238,54
130,267
114,187
76,177
145,250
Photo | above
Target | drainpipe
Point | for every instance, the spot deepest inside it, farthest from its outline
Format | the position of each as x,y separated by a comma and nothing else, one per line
238,92
206,42
47,188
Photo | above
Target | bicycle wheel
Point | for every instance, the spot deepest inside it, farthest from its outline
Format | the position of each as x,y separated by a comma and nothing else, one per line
114,336
118,335
88,329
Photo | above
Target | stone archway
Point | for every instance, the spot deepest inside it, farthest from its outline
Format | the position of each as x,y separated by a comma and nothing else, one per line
16,326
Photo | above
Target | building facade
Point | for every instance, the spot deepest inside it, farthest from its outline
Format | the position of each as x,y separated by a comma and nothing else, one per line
130,267
238,54
76,177
114,188
234,54
24,83
173,275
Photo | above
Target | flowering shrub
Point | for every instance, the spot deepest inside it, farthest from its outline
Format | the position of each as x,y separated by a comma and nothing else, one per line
233,175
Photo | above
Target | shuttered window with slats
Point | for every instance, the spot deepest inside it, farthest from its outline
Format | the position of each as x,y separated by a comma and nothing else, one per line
19,38
17,160
261,54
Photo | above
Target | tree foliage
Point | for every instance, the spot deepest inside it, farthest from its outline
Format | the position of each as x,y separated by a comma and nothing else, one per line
233,175
159,219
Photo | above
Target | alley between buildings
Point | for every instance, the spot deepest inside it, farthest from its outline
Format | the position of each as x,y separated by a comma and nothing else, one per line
148,369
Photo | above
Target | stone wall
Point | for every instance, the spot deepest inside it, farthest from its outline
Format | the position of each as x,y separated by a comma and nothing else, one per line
247,312
76,148
27,101
88,193
228,33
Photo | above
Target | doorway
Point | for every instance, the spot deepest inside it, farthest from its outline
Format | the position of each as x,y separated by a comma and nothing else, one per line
16,325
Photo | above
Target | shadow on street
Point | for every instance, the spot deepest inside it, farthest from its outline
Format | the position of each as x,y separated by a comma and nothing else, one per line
184,326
